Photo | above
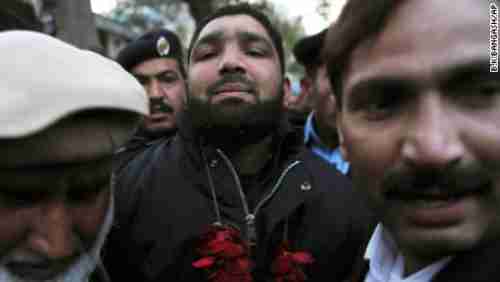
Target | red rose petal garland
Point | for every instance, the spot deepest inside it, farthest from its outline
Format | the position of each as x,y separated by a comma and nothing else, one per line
224,254
225,258
287,267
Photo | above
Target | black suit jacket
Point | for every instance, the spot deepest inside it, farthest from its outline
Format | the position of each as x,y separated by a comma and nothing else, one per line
478,265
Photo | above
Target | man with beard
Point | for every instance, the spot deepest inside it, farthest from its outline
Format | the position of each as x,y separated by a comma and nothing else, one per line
419,119
156,60
59,125
320,132
234,196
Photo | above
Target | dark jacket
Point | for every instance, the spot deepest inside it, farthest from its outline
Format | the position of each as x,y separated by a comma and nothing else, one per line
164,204
97,277
478,265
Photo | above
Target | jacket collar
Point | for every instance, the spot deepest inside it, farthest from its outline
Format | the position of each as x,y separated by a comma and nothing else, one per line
478,265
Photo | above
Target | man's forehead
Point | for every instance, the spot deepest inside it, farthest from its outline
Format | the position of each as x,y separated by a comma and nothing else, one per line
67,142
156,65
417,18
232,25
409,45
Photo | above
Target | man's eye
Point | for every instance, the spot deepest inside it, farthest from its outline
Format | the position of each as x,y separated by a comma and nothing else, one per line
381,107
477,94
87,190
487,89
204,53
168,78
141,79
19,200
258,52
378,105
85,195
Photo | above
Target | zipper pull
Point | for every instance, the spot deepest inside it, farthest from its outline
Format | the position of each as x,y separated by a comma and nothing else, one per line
251,230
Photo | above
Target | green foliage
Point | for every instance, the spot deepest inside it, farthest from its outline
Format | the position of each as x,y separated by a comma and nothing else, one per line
142,15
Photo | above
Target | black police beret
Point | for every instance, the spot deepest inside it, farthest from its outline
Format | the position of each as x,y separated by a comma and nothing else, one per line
155,44
307,51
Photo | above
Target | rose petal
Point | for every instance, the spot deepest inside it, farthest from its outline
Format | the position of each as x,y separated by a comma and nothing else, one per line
238,266
282,265
205,262
302,257
226,249
223,276
295,276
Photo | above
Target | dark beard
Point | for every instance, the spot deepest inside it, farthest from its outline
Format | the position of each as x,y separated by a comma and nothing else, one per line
232,124
143,131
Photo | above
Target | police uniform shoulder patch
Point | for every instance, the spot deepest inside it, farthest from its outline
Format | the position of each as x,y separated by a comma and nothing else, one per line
162,46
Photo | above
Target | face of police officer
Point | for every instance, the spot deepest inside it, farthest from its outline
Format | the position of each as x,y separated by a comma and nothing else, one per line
235,78
325,107
420,125
166,89
55,205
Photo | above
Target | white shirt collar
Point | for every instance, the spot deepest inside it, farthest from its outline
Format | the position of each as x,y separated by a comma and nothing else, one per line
387,264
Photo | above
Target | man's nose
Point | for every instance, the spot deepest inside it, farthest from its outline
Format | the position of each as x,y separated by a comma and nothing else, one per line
52,231
154,88
231,60
432,136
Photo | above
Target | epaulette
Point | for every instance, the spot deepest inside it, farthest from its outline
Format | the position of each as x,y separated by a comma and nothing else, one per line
133,148
138,143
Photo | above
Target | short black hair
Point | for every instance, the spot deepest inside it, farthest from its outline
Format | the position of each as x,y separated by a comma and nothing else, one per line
243,9
359,21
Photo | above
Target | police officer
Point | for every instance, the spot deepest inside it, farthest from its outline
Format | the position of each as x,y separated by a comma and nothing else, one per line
156,61
320,132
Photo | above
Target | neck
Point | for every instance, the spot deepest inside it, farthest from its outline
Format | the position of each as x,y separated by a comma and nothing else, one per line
251,158
326,134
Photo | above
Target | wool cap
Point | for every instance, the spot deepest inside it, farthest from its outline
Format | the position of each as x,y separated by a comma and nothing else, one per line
307,51
161,43
243,9
45,79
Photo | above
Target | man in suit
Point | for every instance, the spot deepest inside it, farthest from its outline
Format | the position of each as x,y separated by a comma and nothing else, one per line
320,134
419,122
60,123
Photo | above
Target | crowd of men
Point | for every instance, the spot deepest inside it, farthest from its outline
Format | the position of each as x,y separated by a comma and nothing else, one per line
174,164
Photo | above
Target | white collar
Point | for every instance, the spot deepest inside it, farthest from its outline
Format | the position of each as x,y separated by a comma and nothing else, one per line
387,263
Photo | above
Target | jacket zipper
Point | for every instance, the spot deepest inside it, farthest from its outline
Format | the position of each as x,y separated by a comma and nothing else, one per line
251,216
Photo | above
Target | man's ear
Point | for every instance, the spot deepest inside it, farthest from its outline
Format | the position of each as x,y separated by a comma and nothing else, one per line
306,86
287,87
288,98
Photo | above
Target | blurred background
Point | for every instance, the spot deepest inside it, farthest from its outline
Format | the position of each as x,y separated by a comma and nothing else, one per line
106,26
